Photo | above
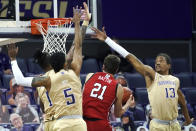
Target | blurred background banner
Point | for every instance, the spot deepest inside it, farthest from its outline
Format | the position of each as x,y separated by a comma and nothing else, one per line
32,9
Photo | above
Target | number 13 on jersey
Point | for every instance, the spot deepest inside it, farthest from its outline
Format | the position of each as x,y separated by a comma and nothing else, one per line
170,92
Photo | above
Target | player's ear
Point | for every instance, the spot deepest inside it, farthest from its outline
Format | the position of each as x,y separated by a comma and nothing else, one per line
65,65
117,70
103,68
169,66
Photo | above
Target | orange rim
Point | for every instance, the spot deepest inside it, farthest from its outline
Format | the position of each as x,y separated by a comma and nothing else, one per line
44,23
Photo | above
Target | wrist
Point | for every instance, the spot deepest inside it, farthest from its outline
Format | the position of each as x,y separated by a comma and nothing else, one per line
107,39
12,58
188,121
77,22
85,23
126,106
13,61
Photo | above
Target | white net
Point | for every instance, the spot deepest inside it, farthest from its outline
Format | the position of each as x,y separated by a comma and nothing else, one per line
55,36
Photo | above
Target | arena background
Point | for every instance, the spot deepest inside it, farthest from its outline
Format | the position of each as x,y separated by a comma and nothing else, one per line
144,28
164,26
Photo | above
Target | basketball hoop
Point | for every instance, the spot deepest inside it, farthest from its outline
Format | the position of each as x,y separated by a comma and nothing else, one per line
54,32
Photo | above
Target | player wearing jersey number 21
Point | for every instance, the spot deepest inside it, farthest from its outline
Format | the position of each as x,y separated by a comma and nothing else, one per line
100,92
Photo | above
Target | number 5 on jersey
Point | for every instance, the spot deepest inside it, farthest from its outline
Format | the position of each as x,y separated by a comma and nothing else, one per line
66,94
96,89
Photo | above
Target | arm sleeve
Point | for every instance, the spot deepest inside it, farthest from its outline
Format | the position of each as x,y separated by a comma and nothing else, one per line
116,47
20,79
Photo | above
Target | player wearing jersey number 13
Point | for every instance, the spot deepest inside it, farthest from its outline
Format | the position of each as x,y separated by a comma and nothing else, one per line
163,88
100,92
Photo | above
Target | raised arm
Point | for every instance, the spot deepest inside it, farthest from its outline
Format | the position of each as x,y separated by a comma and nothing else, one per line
182,103
144,70
77,55
20,79
69,57
119,110
87,17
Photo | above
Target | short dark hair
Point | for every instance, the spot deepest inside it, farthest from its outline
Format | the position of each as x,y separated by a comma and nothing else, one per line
42,59
111,64
57,61
168,60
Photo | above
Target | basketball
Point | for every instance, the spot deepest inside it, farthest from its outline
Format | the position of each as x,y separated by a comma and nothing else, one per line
126,95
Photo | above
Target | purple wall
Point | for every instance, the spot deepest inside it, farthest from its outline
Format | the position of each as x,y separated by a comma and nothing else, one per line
147,19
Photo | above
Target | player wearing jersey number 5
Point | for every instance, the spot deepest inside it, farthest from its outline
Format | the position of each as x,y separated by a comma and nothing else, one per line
163,88
63,86
100,92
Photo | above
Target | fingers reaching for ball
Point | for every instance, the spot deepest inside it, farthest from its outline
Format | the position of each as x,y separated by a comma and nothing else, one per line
131,101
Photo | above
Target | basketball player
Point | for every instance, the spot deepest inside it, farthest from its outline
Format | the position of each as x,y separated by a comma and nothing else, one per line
42,59
100,92
63,87
163,88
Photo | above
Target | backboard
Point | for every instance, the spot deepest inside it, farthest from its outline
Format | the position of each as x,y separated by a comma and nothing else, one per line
15,15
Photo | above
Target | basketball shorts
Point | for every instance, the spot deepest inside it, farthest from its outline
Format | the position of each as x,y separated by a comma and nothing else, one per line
98,125
49,125
154,126
69,125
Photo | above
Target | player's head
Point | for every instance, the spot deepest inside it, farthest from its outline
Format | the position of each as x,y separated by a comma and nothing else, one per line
42,59
57,61
163,64
111,64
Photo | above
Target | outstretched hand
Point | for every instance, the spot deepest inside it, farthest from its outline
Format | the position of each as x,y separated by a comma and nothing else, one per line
76,14
85,13
131,101
101,35
12,51
186,123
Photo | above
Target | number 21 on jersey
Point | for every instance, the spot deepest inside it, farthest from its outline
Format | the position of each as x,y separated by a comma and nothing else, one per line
98,87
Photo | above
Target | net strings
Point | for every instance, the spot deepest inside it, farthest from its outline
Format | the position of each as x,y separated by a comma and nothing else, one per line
55,36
